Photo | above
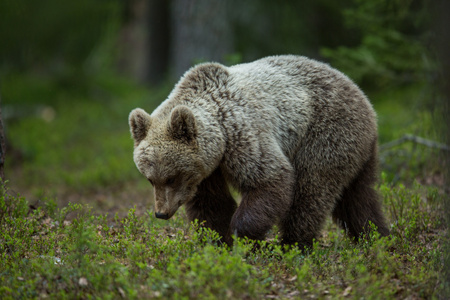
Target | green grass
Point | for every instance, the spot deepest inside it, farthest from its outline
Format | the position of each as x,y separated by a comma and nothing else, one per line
86,141
74,143
409,110
46,253
85,226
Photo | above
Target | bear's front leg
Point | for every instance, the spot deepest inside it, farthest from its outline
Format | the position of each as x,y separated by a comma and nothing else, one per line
261,207
213,205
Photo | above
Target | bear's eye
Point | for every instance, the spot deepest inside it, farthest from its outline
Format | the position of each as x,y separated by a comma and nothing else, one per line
170,181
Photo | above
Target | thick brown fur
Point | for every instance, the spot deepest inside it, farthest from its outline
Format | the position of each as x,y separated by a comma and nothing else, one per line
213,204
294,136
359,203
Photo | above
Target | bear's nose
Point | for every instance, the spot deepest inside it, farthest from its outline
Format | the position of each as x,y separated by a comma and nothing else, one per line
161,216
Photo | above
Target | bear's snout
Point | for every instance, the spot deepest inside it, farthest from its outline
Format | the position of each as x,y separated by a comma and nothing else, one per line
161,216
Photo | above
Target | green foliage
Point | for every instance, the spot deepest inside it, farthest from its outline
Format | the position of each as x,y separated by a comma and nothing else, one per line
212,272
404,111
51,32
393,47
85,144
137,257
267,27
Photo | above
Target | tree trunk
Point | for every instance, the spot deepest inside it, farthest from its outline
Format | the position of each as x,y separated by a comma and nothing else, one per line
200,32
2,145
159,37
442,24
144,40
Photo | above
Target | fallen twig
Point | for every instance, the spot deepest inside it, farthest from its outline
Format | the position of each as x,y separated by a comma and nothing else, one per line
414,139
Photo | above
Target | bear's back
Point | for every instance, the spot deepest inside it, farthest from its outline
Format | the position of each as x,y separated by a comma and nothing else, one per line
290,94
278,76
302,103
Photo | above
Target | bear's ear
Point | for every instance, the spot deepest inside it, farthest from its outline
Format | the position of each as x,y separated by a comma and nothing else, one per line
182,124
140,122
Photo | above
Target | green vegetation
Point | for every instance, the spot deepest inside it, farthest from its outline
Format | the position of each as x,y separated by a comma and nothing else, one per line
72,253
393,43
72,139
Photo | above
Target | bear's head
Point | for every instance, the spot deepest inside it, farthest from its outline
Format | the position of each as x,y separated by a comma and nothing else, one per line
166,153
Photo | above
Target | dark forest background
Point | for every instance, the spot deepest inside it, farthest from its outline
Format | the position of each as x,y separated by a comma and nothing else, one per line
377,43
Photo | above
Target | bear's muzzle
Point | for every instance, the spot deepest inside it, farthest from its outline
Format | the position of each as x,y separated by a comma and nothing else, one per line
161,216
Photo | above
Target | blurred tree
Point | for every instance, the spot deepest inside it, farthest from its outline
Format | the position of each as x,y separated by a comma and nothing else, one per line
2,144
52,36
265,27
159,40
133,39
200,31
144,39
394,44
442,107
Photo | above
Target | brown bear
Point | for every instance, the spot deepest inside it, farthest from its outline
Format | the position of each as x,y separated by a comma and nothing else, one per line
296,137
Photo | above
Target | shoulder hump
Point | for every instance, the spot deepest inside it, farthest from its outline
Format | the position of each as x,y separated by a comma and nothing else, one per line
205,75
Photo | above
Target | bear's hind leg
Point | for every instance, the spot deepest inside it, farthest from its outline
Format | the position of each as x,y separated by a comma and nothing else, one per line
360,204
214,205
306,216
